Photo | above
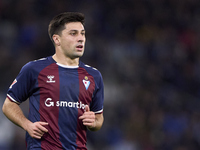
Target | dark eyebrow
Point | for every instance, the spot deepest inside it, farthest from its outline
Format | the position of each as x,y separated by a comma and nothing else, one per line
76,30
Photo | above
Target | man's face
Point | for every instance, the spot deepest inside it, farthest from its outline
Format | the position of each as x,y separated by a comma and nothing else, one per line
72,40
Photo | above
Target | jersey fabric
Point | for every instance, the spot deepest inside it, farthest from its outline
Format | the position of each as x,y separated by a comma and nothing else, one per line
58,94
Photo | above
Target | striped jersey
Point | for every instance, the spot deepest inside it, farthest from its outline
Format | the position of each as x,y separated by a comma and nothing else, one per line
58,94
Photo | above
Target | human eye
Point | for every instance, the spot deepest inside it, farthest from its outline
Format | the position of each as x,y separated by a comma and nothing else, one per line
83,33
72,33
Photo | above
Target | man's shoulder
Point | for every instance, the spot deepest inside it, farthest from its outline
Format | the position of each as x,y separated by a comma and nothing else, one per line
40,61
37,64
91,70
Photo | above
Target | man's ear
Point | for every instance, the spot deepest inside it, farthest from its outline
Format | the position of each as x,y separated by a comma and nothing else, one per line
56,39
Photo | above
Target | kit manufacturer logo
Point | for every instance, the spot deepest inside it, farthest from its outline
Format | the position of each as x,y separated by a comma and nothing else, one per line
50,79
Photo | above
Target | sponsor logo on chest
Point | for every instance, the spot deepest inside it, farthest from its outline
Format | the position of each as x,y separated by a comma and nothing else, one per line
50,103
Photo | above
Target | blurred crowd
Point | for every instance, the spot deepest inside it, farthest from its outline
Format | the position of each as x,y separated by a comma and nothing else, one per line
148,52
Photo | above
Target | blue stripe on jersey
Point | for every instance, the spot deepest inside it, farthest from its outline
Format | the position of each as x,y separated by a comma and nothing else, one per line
68,112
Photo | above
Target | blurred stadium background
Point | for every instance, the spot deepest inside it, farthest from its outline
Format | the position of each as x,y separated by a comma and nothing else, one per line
148,52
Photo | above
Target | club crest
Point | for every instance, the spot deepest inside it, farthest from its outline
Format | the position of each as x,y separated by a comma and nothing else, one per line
86,82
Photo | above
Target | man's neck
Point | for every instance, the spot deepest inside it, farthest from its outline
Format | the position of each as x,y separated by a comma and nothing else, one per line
66,61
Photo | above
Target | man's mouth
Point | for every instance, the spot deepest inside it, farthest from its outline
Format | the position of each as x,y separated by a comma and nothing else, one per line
79,46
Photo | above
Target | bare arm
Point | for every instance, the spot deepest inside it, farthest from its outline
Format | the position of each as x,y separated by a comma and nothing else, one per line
14,113
93,121
98,122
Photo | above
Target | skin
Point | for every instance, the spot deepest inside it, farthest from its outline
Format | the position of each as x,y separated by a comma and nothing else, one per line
67,52
69,47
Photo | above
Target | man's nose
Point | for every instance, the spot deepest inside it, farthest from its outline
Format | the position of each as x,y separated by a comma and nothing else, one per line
81,38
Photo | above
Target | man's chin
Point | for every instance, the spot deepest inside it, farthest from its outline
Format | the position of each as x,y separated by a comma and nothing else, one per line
78,55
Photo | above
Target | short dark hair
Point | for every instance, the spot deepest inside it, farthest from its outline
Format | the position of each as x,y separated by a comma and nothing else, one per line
57,24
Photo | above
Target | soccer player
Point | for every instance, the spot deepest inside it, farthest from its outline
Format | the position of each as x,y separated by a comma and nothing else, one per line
65,95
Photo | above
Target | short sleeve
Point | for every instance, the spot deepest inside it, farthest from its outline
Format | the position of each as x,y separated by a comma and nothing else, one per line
20,89
98,96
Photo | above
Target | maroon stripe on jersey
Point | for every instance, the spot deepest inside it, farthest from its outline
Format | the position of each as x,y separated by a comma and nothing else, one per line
85,97
48,82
